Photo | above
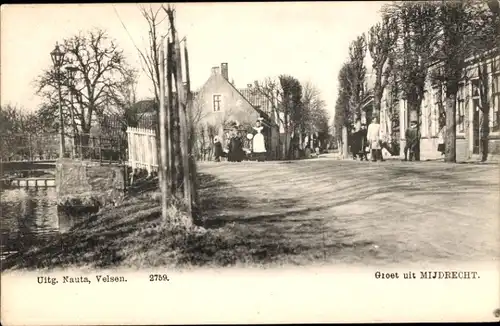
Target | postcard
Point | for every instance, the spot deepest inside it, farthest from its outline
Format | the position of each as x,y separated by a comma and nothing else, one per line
258,162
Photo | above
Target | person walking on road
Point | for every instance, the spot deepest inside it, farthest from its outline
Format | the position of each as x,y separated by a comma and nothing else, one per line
363,142
356,140
373,136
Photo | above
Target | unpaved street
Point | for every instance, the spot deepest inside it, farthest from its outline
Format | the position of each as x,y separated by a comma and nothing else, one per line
357,212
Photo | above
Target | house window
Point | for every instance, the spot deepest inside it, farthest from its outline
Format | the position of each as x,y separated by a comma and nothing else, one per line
461,108
495,105
475,88
216,103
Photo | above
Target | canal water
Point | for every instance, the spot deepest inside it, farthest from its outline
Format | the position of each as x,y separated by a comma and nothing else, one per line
29,216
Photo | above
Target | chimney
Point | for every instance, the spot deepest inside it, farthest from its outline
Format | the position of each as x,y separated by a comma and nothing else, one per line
224,70
215,70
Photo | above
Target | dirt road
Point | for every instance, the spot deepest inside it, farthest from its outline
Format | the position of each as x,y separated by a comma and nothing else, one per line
356,212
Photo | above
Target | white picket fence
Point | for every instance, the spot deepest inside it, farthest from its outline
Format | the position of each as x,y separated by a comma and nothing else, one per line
142,149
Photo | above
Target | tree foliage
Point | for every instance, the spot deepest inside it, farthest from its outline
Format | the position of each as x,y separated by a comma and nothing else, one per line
381,40
355,76
22,136
100,78
291,104
416,46
314,110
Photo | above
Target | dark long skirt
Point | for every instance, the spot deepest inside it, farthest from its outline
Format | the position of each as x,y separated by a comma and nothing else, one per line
236,153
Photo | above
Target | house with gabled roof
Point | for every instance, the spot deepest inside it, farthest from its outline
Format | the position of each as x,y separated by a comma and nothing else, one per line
219,104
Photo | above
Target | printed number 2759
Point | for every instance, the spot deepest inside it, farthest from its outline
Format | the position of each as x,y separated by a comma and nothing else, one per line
158,277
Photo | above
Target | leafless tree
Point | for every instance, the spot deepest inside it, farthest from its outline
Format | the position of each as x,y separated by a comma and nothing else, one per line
315,114
101,71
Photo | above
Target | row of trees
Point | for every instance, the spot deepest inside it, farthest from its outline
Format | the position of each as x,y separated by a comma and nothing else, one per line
299,108
103,87
22,135
101,91
412,37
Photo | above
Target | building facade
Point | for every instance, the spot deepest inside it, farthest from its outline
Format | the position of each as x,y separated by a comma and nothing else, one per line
219,104
468,108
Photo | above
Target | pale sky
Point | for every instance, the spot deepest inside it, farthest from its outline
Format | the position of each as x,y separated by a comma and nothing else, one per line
306,40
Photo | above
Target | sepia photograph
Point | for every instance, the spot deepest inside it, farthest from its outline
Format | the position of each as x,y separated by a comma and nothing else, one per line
244,156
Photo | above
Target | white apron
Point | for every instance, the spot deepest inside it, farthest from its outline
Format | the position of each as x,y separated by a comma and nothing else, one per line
259,145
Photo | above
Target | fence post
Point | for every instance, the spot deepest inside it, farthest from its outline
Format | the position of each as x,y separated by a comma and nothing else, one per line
131,150
80,146
120,158
100,148
29,148
150,154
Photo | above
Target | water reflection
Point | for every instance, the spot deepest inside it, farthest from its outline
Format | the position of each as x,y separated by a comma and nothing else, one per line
28,217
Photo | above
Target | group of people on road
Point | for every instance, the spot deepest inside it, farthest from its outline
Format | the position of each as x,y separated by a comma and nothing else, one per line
371,140
366,141
235,151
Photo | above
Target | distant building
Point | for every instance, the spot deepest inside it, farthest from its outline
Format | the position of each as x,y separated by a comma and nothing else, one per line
219,104
469,114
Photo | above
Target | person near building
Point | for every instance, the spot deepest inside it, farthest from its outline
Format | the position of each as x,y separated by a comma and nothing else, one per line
363,142
412,137
373,137
356,139
218,152
259,144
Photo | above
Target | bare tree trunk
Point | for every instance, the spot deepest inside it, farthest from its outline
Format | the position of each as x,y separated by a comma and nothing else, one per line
177,176
451,126
414,105
345,145
170,122
376,107
183,123
287,131
485,132
163,139
485,108
192,131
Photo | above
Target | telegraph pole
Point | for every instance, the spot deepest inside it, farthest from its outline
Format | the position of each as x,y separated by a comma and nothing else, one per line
163,137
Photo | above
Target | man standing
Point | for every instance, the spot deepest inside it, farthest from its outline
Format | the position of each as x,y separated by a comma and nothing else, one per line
364,141
412,137
356,139
373,136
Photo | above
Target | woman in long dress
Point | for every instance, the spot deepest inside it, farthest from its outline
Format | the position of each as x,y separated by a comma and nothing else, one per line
236,152
259,145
